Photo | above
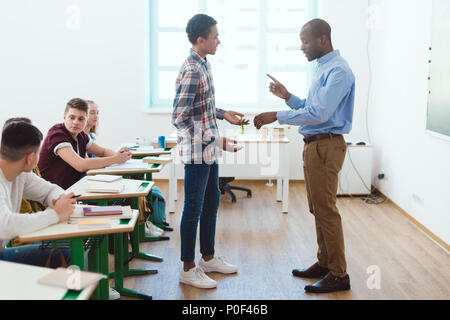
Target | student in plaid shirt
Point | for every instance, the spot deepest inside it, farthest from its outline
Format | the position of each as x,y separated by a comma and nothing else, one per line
200,145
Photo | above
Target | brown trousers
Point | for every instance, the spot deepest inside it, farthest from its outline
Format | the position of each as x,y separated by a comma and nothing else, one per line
322,161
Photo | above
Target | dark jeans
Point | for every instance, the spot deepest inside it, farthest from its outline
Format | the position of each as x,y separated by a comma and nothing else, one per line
201,202
34,255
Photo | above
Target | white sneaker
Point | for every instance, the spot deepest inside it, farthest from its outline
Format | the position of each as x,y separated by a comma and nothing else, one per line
152,231
197,278
217,265
113,294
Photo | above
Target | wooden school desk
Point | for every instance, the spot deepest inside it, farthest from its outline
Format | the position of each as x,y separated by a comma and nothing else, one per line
134,189
134,174
141,152
20,282
129,173
96,239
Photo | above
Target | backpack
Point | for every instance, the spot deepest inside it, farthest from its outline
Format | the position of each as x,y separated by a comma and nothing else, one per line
158,216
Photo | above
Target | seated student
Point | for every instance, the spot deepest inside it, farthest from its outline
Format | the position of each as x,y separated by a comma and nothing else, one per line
92,122
91,130
63,152
27,206
19,154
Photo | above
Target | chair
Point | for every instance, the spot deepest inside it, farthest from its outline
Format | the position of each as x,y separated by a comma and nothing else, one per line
224,186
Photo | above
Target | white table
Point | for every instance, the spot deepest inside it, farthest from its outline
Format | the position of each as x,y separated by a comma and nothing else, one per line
20,282
260,158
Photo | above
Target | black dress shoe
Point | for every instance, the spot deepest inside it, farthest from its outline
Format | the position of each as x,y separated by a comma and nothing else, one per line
329,284
167,228
315,271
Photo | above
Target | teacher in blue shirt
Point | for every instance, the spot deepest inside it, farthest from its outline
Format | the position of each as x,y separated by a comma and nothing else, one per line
322,118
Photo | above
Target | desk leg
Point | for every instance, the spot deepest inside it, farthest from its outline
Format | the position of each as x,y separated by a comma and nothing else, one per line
144,238
137,237
77,253
279,187
130,272
104,268
119,251
136,253
285,204
98,262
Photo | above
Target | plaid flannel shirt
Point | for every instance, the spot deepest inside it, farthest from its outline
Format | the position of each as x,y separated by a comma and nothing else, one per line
195,113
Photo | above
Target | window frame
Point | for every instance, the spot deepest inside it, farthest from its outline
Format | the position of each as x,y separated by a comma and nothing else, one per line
154,104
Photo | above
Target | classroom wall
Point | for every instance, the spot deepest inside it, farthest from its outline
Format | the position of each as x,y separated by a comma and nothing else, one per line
415,162
45,62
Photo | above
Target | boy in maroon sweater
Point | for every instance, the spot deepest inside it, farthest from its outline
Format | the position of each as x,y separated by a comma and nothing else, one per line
62,159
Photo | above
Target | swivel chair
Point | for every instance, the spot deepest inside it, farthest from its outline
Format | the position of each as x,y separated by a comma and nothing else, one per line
224,186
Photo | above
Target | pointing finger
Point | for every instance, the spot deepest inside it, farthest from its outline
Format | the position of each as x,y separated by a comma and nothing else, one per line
273,79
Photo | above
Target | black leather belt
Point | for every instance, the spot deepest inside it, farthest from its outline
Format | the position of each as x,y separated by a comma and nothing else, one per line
321,136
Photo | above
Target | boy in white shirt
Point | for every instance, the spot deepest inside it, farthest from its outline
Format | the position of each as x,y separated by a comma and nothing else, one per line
19,154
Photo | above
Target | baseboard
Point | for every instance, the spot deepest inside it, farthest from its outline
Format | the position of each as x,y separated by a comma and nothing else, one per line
424,229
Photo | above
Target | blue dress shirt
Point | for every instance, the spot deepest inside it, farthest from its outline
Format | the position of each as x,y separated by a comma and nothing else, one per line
330,102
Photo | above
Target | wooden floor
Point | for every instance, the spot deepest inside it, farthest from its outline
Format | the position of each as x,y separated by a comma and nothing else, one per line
266,245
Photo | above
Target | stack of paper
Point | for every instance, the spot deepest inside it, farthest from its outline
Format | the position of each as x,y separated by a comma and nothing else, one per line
78,213
104,178
102,211
157,160
94,223
130,164
105,187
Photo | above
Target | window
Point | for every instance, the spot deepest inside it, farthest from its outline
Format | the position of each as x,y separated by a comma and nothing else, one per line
257,37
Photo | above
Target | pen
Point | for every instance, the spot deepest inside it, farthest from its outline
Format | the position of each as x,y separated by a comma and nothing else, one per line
76,196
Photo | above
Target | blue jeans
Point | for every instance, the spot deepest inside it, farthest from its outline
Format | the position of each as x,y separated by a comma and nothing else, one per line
34,255
201,202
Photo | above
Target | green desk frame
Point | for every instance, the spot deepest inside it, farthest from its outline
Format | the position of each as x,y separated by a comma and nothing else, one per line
121,255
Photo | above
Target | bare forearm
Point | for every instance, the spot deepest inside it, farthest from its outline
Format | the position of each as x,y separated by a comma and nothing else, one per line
108,153
97,163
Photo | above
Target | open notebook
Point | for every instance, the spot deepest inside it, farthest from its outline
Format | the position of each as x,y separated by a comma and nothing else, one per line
70,278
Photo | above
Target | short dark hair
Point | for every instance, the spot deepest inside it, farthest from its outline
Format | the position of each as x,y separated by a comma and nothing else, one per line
77,103
319,27
199,26
17,119
18,139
